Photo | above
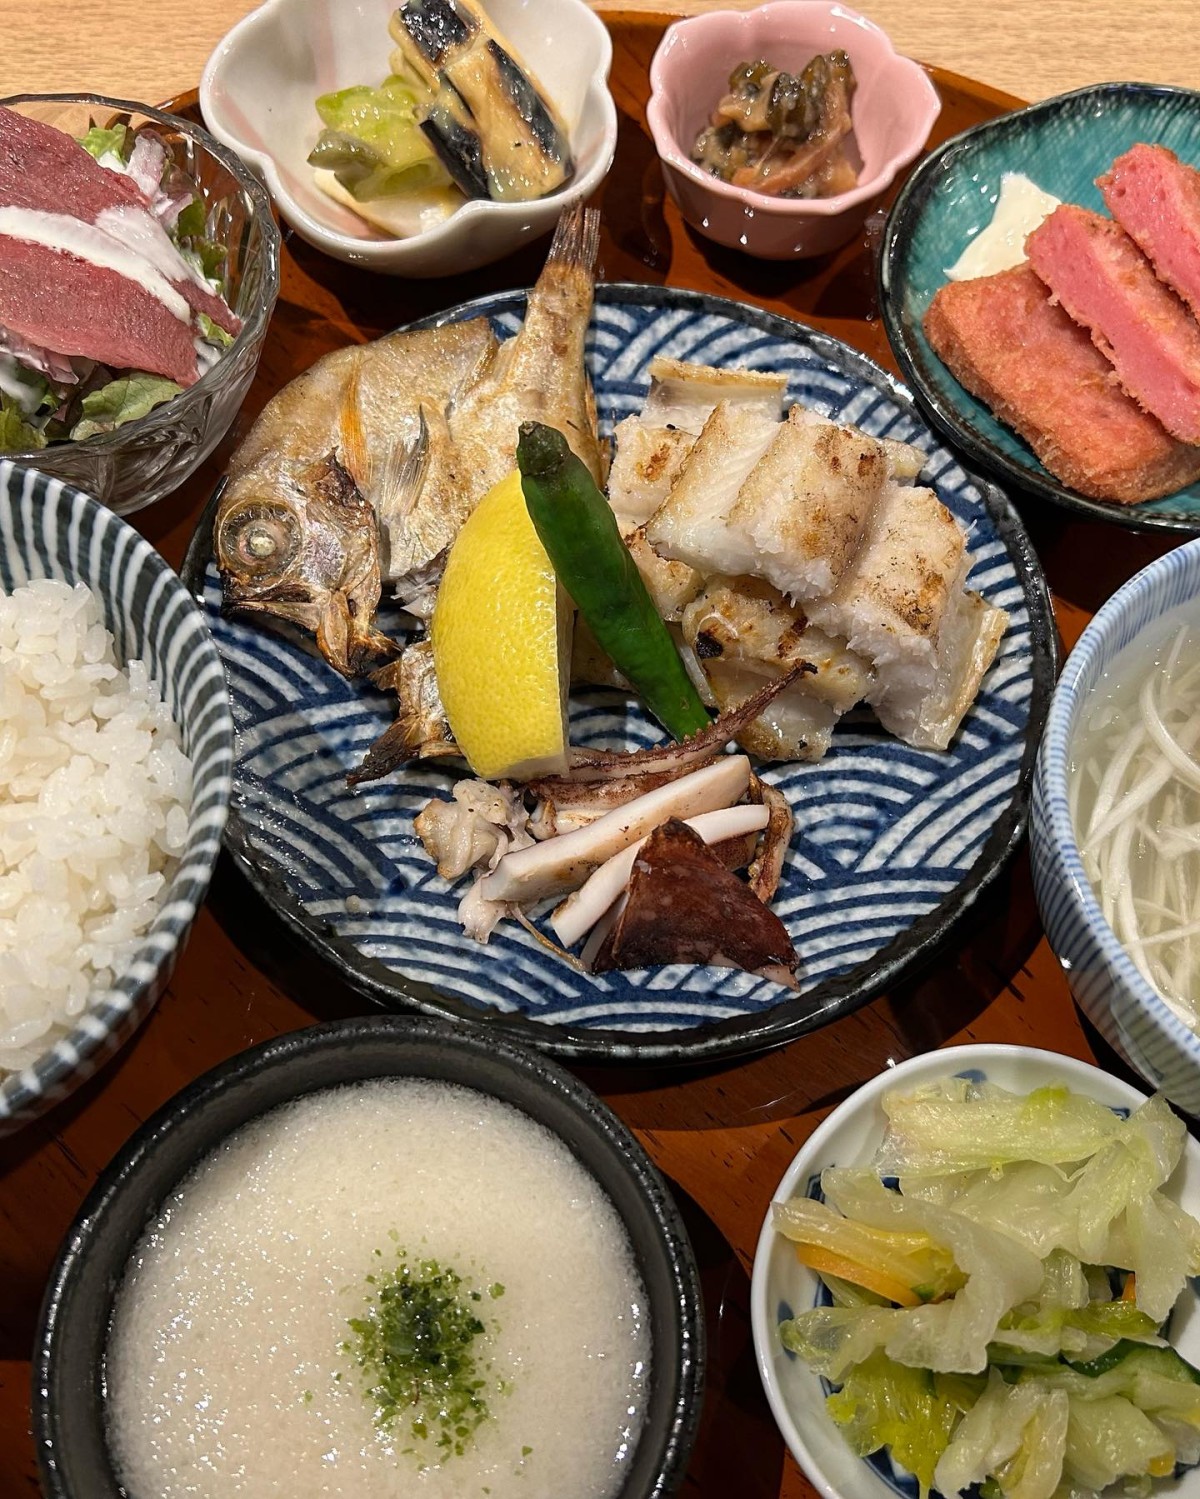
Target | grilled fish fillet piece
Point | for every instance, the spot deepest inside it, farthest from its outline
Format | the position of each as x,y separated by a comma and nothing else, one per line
684,395
647,460
967,644
671,585
746,620
900,605
692,524
785,501
804,508
794,726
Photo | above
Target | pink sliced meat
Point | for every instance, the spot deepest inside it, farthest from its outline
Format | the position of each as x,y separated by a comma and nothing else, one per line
1097,273
44,169
1155,198
63,303
1009,345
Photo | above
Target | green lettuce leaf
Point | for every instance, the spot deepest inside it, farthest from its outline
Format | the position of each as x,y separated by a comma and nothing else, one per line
373,144
910,1411
16,434
213,333
98,142
192,220
120,401
954,1125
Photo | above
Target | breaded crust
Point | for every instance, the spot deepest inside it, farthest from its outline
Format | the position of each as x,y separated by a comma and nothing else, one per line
1012,348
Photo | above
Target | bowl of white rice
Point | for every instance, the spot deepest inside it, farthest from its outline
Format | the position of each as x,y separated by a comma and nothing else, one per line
116,750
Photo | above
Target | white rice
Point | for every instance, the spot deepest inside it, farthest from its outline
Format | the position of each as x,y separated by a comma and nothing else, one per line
94,798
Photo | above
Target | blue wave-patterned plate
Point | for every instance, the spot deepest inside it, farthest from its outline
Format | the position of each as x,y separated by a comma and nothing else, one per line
1063,144
892,843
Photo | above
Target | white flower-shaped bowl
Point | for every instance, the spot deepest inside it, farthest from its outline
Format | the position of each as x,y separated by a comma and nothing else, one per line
893,111
258,94
781,1286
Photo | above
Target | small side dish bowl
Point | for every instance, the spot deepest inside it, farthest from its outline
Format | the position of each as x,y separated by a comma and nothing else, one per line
143,460
781,1286
69,1358
50,530
1106,983
893,109
259,89
1063,144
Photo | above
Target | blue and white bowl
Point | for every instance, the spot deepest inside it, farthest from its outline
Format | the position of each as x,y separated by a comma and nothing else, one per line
1107,985
781,1286
50,530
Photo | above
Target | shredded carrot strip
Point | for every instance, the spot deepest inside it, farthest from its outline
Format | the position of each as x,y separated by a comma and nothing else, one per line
824,1262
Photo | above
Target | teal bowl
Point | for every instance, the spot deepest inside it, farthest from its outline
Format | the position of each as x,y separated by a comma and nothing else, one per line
1063,144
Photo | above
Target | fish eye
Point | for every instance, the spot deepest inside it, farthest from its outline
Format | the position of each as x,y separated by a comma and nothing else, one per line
259,538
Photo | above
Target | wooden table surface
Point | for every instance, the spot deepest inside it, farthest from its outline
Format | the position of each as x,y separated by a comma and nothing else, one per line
722,1136
153,49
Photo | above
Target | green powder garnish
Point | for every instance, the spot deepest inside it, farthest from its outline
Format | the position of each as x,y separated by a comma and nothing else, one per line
418,1350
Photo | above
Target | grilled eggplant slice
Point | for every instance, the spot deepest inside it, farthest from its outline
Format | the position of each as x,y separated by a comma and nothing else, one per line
492,127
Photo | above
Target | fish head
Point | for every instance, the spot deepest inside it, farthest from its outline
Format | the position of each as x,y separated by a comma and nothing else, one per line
303,545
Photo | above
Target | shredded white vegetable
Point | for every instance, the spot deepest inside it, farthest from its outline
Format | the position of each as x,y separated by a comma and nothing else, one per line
1134,797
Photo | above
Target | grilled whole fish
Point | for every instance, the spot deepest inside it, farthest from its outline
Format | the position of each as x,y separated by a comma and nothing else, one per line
410,432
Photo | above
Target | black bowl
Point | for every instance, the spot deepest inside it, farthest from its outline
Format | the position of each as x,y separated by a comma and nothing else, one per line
68,1367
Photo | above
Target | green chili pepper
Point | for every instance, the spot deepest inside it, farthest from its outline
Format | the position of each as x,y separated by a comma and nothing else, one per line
579,531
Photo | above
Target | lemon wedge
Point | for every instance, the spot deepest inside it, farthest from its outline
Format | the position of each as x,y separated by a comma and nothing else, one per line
501,636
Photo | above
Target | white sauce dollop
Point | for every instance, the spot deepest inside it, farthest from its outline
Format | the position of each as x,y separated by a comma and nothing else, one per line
1000,245
96,244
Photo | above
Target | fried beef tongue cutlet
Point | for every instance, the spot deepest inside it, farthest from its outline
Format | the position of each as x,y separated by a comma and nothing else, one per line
685,906
1155,198
1009,345
1107,285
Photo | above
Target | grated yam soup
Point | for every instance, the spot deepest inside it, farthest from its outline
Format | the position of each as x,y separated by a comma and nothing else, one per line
244,1356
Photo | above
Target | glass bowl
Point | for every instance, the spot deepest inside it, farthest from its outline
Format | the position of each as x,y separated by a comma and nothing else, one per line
142,461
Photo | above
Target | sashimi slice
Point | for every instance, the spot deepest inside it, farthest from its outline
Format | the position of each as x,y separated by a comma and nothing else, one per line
65,304
1155,198
1106,284
1004,339
43,171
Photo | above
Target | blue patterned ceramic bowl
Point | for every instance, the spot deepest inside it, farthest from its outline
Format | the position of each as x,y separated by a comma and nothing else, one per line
1063,144
781,1286
1107,985
49,530
892,843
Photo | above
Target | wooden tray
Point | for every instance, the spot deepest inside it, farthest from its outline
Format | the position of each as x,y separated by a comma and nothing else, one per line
723,1137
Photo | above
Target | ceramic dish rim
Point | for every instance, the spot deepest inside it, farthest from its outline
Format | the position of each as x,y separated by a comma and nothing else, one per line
1028,478
1052,772
280,1052
256,318
958,1059
668,148
474,212
765,1029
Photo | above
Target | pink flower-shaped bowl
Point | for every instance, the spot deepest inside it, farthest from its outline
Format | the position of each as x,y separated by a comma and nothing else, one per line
893,110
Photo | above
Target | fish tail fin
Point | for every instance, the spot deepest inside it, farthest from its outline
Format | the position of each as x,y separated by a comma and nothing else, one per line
576,241
393,748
